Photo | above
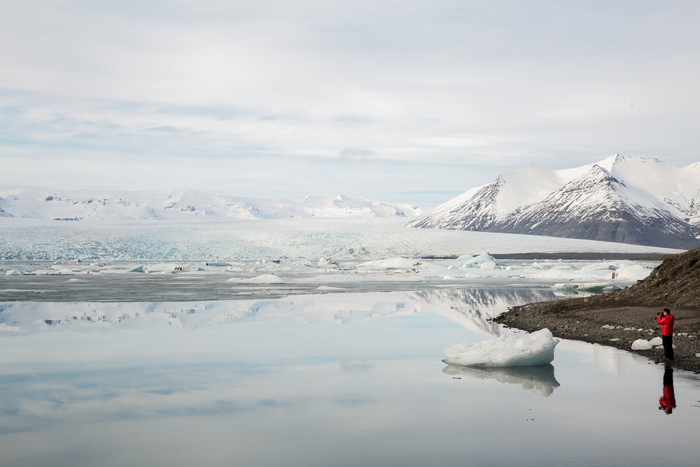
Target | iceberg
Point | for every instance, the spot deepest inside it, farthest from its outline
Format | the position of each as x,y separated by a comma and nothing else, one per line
536,348
483,261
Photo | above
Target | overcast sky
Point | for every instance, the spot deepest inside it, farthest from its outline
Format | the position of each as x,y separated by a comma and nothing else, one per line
405,100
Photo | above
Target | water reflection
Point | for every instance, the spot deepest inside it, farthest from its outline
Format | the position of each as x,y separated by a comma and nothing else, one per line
538,379
667,401
472,308
217,383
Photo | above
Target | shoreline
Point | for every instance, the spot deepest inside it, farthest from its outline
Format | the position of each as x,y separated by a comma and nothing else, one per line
615,326
583,256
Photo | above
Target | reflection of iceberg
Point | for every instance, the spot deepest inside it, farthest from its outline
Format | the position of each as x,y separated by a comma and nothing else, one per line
521,349
539,379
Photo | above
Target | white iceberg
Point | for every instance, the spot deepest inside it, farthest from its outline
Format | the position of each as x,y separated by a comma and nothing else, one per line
483,261
631,272
520,349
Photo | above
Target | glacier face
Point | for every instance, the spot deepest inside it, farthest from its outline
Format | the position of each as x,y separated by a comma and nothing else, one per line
621,199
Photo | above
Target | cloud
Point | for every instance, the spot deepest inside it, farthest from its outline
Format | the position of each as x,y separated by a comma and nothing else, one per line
357,154
476,86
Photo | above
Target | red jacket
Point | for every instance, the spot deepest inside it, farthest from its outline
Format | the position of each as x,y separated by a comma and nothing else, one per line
666,323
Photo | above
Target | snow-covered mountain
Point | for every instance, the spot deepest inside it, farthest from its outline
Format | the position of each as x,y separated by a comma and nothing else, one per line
183,205
619,199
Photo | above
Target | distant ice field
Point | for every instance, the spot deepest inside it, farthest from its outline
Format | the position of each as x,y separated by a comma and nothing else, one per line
174,281
311,239
274,258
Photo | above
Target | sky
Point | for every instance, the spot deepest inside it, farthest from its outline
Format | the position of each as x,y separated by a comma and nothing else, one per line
408,101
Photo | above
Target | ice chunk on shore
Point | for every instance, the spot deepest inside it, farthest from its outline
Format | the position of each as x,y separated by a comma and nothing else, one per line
643,344
532,349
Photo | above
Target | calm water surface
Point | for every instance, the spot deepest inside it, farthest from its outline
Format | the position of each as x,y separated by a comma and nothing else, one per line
324,380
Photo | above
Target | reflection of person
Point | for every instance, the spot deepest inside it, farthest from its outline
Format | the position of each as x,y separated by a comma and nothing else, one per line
666,320
667,402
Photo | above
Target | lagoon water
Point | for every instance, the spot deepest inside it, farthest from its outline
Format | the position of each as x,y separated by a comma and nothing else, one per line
323,379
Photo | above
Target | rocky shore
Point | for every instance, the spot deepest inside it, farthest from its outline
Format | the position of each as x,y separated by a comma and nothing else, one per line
619,318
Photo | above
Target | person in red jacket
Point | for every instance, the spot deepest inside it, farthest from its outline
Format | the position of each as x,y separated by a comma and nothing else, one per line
666,320
667,402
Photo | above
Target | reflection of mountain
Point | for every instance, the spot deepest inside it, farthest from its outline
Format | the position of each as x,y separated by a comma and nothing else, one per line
539,379
473,308
469,307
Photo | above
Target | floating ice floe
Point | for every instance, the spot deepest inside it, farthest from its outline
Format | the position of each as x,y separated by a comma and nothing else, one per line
482,261
520,349
631,272
391,263
167,268
264,279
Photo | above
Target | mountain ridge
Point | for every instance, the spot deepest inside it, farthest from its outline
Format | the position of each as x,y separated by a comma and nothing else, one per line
183,205
620,199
